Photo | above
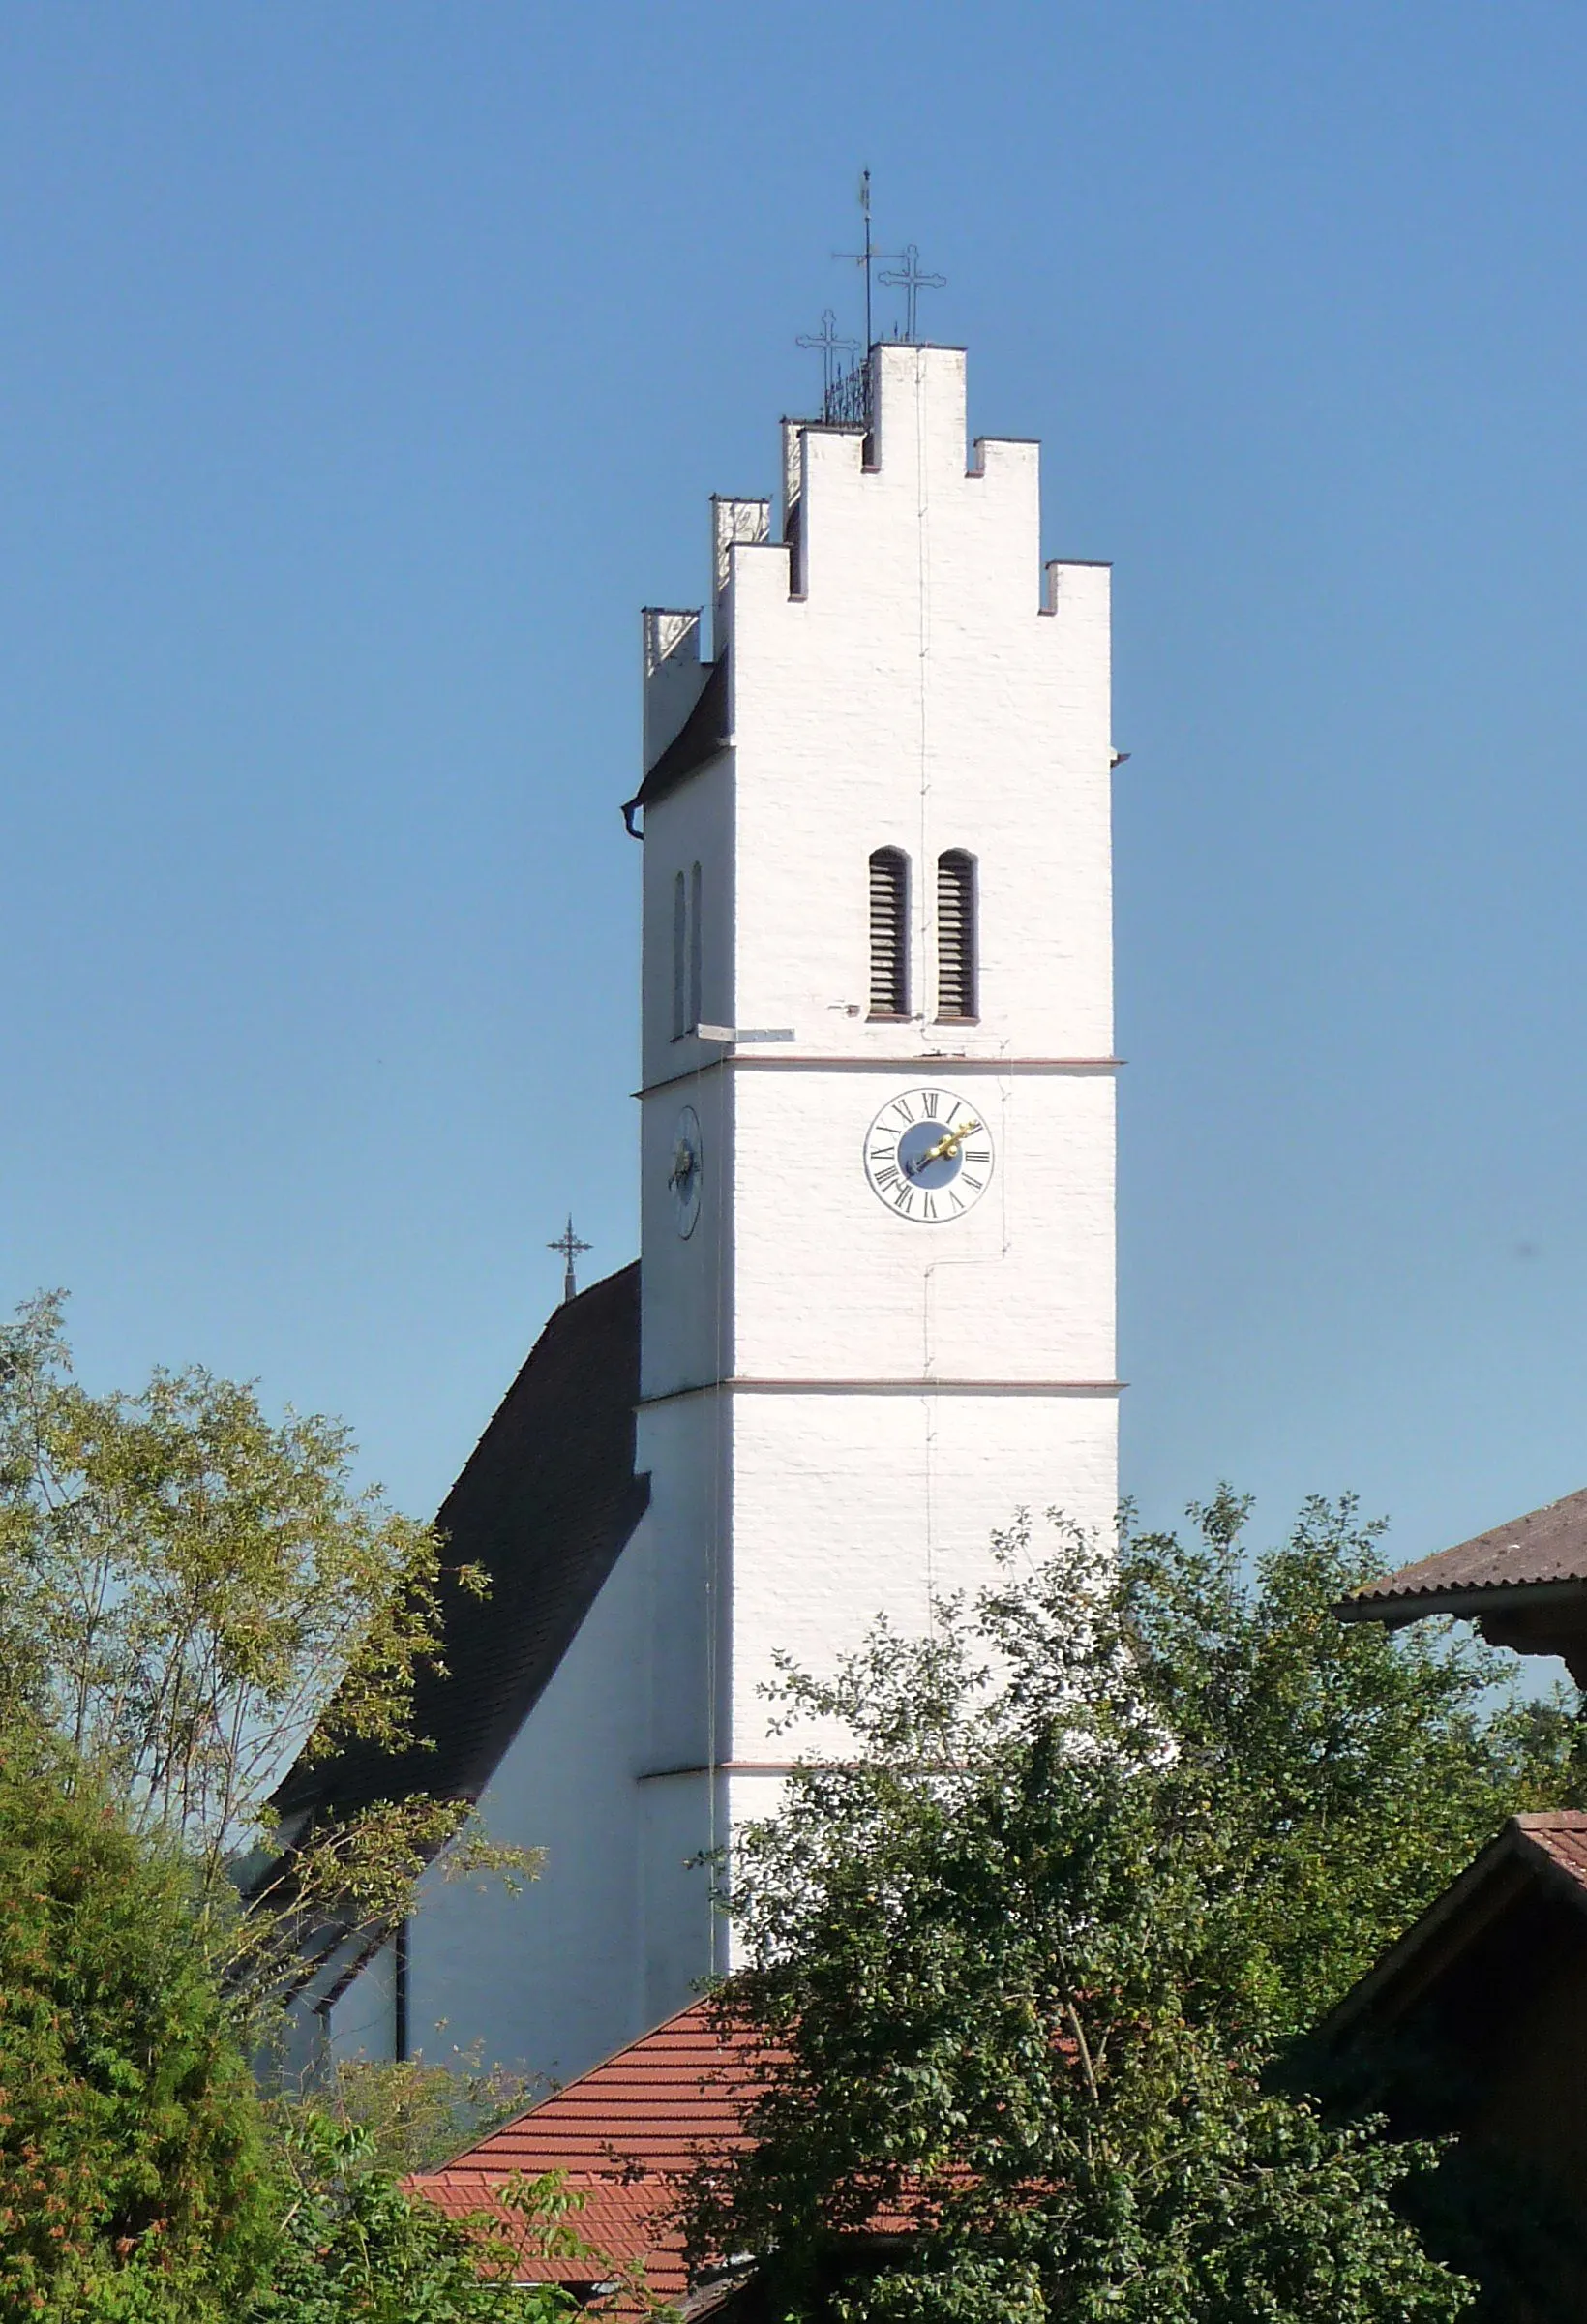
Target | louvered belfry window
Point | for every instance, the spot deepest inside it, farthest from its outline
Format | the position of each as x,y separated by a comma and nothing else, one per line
956,934
890,932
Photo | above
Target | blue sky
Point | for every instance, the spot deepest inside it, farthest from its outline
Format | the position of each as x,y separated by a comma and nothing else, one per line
369,365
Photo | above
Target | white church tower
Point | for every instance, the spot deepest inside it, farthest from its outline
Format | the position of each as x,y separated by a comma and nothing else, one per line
877,1177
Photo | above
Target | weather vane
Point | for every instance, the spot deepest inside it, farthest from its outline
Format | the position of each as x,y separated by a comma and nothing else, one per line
863,258
569,1245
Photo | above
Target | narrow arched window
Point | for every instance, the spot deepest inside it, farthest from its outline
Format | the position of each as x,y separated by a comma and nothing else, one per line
890,932
956,977
680,956
696,940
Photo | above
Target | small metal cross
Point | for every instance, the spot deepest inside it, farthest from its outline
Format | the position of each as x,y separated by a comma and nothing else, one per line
908,279
569,1245
826,339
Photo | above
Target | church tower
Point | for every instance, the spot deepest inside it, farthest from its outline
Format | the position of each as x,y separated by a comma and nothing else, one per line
877,1155
875,1311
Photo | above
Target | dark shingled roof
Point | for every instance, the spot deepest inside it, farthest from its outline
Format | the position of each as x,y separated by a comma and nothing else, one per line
1538,1553
545,1505
703,734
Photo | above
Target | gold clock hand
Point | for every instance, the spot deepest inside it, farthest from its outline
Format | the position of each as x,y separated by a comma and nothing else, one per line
945,1146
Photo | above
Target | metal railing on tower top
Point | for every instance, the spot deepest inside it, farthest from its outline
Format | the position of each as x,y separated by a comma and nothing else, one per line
847,400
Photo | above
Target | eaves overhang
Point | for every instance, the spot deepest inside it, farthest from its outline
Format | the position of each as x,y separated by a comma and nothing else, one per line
703,737
1466,1601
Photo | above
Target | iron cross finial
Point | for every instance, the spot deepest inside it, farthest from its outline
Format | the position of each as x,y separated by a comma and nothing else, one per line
569,1245
831,346
908,278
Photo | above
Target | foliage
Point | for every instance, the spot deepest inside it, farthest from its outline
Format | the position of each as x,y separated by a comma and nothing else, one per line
132,2184
190,1593
1348,1772
355,2247
1099,1842
413,2112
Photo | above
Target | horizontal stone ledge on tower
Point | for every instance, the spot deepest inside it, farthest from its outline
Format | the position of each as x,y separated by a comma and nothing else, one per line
750,1386
792,1766
962,1062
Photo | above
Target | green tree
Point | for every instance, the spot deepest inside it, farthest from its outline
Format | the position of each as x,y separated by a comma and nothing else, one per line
190,1593
1105,1838
1348,1772
133,2177
353,2247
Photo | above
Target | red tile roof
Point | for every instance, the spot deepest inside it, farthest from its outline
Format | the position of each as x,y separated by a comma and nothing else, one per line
625,2134
1560,1835
1547,1548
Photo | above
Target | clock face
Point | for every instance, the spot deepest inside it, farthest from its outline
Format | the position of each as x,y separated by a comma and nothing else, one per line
684,1171
928,1156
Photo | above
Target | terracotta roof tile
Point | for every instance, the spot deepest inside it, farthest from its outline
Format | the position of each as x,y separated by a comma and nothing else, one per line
1548,1545
1561,1835
625,2134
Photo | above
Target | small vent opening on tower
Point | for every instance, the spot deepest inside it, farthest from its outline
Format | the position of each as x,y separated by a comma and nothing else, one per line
956,935
695,948
680,958
890,932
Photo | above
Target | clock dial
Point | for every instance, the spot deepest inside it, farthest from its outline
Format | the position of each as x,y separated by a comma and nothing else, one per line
684,1171
928,1156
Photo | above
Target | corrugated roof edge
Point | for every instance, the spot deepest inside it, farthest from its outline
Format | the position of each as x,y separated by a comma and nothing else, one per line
1545,1547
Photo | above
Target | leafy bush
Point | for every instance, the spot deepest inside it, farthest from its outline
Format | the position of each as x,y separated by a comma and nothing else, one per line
355,2247
133,2182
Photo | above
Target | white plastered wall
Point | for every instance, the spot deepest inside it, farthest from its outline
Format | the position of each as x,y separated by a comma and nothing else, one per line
619,1925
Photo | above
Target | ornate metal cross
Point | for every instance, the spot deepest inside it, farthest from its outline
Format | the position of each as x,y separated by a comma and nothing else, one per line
569,1245
826,339
908,277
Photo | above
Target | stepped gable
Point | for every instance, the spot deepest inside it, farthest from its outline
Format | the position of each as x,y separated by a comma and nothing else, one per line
545,1505
625,2134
